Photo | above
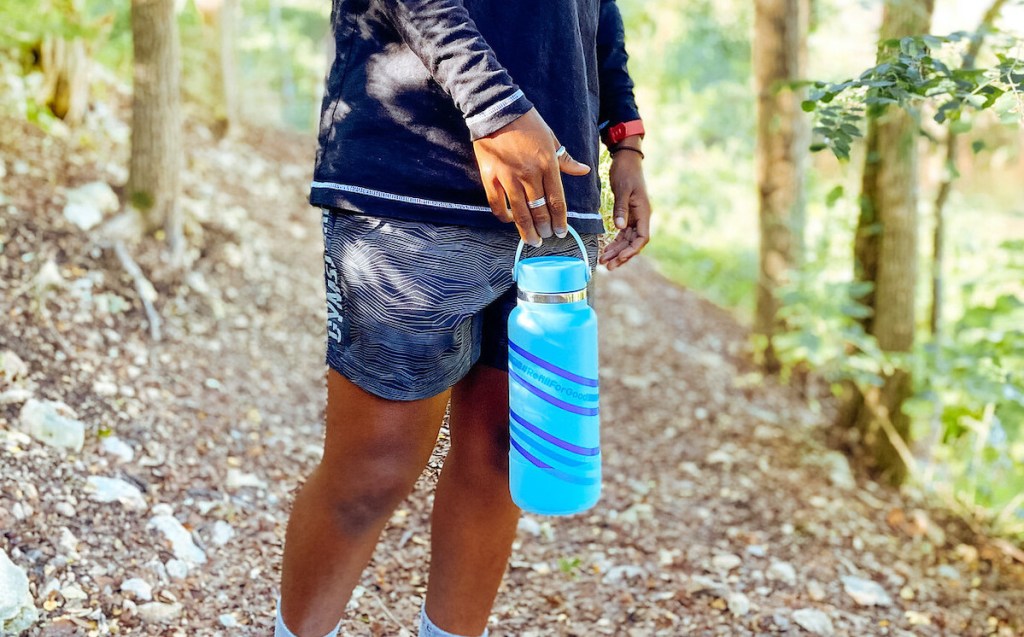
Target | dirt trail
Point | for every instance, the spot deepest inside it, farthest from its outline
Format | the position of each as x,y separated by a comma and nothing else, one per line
723,513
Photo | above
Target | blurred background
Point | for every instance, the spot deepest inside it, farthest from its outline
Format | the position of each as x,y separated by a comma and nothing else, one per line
66,68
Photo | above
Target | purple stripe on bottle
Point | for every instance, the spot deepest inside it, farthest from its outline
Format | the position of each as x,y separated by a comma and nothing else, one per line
551,471
558,442
554,369
582,411
526,454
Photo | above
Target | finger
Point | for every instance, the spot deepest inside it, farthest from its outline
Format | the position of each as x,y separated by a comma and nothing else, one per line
568,165
557,208
497,201
538,206
521,215
620,209
613,249
635,246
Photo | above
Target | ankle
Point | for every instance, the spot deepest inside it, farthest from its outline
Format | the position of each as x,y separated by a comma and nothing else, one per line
430,629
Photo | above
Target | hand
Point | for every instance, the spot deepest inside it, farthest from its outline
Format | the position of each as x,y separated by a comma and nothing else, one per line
632,209
518,164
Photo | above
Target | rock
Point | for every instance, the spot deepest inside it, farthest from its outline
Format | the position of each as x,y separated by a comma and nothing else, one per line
726,562
88,203
623,573
73,593
176,569
65,509
815,591
949,572
15,395
227,620
239,480
116,490
756,550
137,588
222,533
865,592
739,604
68,543
159,612
839,473
529,526
181,540
52,423
814,622
114,446
782,572
48,278
17,610
12,368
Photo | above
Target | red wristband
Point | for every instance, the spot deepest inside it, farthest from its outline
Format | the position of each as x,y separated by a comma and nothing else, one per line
618,132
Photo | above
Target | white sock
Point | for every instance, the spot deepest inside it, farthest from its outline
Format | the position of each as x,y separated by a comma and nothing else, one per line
430,629
280,630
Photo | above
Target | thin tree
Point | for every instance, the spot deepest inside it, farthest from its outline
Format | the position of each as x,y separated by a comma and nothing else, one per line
952,144
156,155
780,52
885,255
219,19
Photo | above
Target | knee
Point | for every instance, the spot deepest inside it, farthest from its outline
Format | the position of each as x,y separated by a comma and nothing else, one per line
482,460
363,499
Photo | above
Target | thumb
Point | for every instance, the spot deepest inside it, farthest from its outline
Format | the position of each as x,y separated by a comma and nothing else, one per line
568,165
620,211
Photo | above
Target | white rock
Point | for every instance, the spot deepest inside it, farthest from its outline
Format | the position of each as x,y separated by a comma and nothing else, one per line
176,569
865,592
12,368
104,388
116,490
52,423
227,620
815,591
726,562
949,572
529,526
181,540
839,472
73,593
17,611
622,573
114,446
814,622
782,572
739,604
137,588
238,480
15,395
68,543
65,509
84,216
159,612
222,533
88,203
48,277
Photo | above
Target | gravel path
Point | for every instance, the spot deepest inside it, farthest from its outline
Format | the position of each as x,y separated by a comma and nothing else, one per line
723,512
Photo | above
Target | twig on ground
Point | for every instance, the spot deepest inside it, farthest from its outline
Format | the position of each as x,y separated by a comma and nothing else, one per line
388,614
142,286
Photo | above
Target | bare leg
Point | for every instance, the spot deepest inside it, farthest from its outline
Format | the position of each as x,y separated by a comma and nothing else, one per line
373,452
474,519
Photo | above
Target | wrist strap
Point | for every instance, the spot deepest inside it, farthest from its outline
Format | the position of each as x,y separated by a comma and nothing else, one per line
630,148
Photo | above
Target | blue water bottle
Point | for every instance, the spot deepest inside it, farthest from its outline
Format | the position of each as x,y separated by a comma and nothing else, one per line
554,453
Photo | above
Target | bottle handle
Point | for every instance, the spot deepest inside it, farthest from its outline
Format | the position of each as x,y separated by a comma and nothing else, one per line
579,242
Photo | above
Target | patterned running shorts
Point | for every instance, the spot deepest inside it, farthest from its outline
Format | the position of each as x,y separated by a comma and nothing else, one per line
412,306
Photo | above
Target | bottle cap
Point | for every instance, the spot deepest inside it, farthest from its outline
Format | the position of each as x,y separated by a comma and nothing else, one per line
552,275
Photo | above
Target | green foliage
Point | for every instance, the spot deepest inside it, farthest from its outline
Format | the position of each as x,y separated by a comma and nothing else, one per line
912,72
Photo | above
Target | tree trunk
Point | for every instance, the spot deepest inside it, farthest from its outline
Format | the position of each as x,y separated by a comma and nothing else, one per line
65,64
885,254
156,157
219,18
780,52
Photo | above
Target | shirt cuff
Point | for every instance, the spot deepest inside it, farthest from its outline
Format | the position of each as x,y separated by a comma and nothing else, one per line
498,115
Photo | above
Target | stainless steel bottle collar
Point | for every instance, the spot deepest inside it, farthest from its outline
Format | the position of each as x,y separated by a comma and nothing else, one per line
561,297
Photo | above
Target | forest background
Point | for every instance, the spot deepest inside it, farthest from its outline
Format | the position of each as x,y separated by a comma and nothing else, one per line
697,82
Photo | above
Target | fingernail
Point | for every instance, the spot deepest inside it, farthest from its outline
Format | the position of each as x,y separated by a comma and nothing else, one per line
538,243
620,222
544,230
561,232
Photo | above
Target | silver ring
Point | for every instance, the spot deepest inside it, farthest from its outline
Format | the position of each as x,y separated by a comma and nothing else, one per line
561,152
536,203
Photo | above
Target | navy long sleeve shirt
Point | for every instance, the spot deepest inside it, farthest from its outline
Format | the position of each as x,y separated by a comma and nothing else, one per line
414,82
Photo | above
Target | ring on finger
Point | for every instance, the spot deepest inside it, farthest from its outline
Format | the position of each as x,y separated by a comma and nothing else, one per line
561,152
536,203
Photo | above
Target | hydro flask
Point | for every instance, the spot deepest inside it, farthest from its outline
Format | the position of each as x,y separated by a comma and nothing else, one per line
554,451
